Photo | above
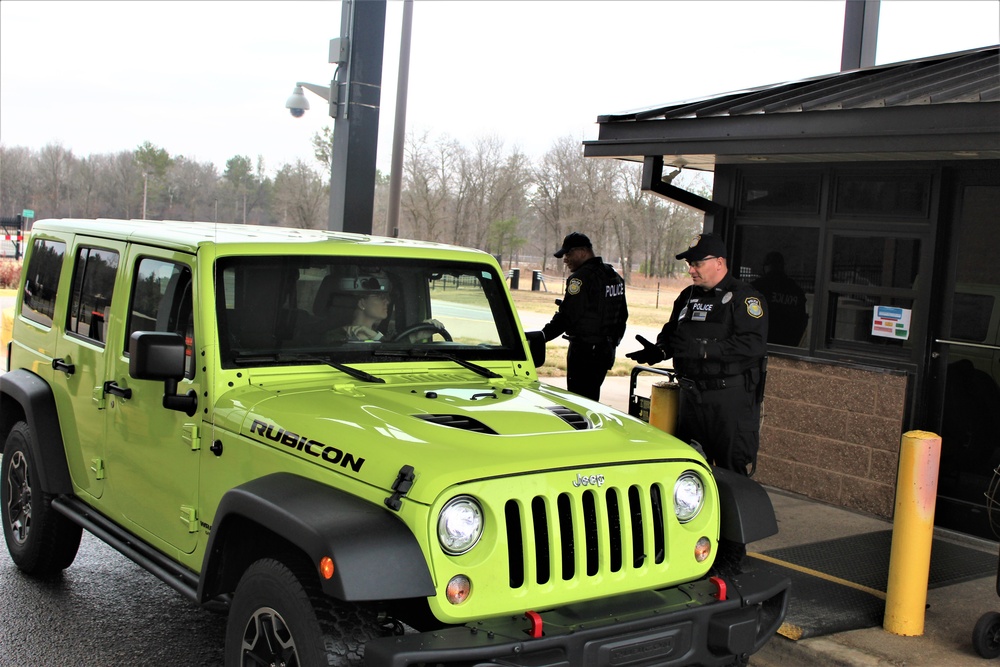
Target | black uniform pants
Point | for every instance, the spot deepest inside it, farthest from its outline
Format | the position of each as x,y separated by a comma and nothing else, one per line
586,367
726,422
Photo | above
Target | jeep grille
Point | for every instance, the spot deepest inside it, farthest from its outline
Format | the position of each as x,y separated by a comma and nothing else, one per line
563,537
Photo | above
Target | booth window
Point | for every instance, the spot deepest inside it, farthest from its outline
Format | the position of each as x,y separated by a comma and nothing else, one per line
780,261
781,191
883,195
851,238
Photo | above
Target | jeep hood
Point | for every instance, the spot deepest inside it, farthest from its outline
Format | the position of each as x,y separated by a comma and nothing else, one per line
450,432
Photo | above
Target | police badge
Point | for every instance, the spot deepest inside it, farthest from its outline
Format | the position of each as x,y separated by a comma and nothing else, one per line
754,307
574,287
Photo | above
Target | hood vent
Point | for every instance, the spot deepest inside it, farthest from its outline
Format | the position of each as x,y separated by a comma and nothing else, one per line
456,421
574,419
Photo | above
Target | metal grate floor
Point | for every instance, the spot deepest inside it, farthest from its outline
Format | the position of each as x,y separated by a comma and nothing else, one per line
864,560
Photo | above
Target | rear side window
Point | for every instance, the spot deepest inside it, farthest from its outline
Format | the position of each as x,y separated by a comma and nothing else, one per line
93,286
43,271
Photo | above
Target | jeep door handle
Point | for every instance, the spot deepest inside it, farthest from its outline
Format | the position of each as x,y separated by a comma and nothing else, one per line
61,365
110,387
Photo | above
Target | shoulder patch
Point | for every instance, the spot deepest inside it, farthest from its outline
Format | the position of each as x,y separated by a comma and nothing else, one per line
754,307
574,286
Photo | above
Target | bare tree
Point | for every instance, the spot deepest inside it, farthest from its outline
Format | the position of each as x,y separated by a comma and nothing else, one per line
559,193
17,179
195,185
126,187
301,196
54,166
493,187
86,186
426,197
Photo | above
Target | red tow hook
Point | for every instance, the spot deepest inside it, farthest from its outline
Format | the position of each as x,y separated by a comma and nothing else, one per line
720,585
535,631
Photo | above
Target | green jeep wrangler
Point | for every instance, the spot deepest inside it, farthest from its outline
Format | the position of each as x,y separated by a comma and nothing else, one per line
342,441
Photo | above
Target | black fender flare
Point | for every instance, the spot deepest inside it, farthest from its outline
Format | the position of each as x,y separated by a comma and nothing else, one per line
746,512
375,555
34,396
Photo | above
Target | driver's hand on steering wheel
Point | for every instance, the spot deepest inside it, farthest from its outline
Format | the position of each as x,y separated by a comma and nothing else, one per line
425,336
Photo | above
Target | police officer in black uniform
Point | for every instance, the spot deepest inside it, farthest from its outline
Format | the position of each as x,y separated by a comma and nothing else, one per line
717,337
592,314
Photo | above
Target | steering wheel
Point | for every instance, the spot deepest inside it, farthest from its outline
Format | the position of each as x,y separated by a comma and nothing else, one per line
423,326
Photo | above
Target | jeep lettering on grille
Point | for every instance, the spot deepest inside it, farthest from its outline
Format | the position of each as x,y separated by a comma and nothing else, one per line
592,480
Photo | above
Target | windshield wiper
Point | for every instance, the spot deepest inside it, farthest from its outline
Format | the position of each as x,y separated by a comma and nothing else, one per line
475,368
343,368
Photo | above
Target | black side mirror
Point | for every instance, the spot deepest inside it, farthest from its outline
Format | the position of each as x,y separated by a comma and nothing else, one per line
536,345
156,355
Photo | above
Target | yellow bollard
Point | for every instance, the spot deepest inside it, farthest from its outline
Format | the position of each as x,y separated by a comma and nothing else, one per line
912,533
663,401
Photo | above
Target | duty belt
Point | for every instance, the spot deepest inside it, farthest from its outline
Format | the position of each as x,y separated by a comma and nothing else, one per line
713,383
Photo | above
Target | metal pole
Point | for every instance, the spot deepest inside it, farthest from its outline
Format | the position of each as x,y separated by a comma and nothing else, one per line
399,130
355,130
912,533
860,34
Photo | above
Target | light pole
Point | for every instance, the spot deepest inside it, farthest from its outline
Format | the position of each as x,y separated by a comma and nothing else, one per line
354,106
399,128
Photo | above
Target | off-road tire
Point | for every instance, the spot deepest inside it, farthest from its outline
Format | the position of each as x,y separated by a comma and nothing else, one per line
302,626
41,541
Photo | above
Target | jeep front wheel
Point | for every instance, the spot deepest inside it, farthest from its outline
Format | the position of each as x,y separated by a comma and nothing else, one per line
40,540
280,617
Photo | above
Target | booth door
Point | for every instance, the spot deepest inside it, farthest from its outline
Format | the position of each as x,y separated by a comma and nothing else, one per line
966,361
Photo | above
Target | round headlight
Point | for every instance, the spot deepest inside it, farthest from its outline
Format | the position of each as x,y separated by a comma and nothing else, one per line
689,496
460,525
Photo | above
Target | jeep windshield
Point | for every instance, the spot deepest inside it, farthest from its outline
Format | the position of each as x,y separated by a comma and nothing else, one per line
357,310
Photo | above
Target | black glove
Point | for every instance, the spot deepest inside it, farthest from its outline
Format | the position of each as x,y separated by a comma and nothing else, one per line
649,354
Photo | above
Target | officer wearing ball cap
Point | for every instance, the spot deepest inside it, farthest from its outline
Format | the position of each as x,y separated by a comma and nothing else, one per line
717,337
592,314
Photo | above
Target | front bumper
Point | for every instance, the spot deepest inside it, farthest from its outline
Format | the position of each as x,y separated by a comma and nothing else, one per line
673,626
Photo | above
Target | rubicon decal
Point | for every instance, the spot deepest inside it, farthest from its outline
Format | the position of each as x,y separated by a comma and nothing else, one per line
305,444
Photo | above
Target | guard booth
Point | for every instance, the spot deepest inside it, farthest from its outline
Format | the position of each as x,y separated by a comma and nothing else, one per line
868,199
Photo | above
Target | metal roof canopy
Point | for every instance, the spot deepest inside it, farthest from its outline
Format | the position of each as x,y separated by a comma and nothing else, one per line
939,108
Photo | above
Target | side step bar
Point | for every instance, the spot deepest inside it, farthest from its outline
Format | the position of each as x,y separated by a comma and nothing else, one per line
181,579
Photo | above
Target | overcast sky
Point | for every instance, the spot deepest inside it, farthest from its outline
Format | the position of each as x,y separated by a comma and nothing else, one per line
208,80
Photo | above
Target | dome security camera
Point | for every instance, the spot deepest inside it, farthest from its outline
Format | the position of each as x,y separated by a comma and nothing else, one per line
297,103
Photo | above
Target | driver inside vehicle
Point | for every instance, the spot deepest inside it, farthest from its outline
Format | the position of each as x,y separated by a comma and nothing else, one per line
370,310
371,297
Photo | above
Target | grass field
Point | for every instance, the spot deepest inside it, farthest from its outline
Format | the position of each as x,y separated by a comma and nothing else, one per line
649,302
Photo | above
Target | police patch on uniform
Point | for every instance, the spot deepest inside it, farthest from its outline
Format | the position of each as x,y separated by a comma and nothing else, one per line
754,307
727,297
574,286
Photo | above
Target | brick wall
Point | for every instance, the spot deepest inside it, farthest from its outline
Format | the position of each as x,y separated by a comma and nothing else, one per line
832,433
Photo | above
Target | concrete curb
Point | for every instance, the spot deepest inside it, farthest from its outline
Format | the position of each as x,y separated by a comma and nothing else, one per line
782,652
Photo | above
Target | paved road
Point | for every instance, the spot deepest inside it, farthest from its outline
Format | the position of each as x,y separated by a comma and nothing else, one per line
104,610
